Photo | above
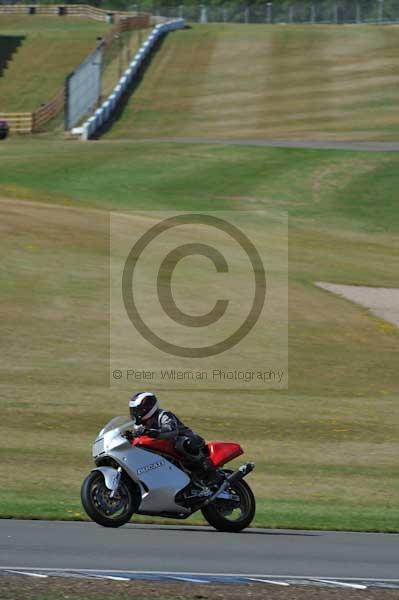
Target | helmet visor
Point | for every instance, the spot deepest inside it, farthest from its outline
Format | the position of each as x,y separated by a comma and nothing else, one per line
138,412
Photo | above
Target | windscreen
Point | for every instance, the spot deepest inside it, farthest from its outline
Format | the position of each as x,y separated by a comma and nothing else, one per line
117,423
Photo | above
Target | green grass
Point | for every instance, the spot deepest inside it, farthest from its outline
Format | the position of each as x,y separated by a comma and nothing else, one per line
353,191
52,48
262,82
274,513
326,448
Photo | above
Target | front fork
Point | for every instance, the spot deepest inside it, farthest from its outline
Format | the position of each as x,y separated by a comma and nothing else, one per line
116,482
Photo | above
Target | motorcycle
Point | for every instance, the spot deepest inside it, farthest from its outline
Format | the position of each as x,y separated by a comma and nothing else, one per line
145,476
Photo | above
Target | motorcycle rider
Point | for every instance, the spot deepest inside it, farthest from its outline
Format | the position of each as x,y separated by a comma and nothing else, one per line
154,422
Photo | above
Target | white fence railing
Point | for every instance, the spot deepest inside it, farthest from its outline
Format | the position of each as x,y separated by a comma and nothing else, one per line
109,106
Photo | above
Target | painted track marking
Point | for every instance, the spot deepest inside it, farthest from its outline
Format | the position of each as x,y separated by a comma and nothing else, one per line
356,586
189,579
28,573
361,583
113,577
268,581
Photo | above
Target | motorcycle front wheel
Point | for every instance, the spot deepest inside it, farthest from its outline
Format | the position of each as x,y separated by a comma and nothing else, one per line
104,510
232,515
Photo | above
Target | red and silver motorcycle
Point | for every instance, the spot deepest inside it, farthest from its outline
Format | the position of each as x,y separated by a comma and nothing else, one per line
146,476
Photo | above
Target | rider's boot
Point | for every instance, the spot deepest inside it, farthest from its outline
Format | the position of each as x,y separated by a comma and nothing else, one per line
211,474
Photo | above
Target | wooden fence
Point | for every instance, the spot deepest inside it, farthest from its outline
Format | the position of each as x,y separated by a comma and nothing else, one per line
125,24
72,10
48,111
19,122
30,122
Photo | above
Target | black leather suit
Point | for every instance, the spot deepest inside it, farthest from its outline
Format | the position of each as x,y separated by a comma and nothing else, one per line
165,425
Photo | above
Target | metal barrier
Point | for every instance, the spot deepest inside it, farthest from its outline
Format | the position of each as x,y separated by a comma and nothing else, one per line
335,12
83,88
87,77
102,115
83,85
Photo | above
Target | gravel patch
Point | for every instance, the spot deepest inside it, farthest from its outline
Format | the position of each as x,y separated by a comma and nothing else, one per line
382,302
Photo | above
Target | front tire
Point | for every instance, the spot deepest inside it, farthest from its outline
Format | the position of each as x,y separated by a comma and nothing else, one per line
225,515
104,510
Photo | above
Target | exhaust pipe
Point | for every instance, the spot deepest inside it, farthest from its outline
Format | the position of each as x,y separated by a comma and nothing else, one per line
230,479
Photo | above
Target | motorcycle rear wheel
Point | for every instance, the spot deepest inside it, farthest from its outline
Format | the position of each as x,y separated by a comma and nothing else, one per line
104,510
223,516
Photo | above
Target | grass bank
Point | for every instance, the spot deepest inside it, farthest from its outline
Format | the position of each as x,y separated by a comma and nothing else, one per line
52,48
325,448
269,82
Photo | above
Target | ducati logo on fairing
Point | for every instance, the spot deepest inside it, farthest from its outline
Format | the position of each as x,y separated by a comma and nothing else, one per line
150,467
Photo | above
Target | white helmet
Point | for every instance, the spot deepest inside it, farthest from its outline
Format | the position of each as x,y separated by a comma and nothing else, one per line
143,406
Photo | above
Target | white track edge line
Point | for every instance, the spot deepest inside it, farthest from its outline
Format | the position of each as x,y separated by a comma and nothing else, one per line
194,573
188,579
268,581
113,577
356,586
18,572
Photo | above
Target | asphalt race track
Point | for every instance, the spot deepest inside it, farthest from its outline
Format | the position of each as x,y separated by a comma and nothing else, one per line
197,552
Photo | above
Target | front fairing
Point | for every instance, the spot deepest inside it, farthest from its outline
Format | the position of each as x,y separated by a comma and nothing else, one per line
159,479
112,436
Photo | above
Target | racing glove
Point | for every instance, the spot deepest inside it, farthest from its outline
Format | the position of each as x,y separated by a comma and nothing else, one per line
139,430
129,435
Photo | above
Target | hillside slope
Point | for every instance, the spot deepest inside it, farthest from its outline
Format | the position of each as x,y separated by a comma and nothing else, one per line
326,449
51,49
254,82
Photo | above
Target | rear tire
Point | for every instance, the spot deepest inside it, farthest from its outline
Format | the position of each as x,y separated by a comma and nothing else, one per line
106,511
217,514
